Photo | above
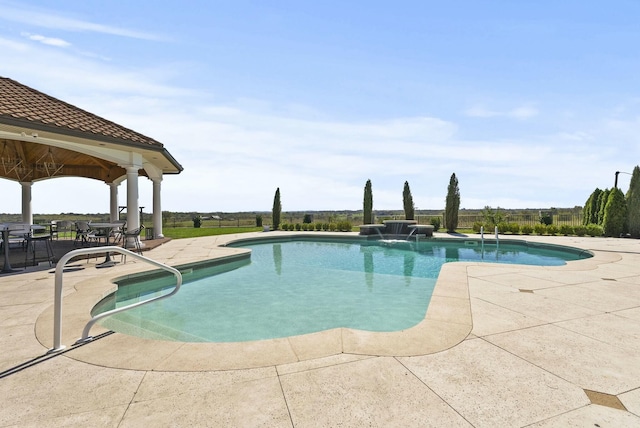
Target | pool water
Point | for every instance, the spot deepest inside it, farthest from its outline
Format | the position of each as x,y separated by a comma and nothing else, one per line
295,287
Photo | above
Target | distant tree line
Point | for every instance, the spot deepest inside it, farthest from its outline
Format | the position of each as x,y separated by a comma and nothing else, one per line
609,210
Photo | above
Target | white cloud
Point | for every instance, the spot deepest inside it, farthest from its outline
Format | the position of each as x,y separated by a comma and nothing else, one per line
521,112
576,136
49,19
51,41
78,76
480,111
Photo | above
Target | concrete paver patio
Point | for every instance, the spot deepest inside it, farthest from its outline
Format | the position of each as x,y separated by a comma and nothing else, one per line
501,345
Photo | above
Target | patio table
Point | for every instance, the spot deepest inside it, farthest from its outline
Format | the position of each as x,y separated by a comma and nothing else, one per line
6,232
106,229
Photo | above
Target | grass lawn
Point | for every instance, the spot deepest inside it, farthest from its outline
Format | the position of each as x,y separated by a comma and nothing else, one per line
193,232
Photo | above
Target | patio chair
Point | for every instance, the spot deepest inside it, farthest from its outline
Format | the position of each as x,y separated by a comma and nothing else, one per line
18,233
31,240
63,228
132,236
53,229
84,234
118,232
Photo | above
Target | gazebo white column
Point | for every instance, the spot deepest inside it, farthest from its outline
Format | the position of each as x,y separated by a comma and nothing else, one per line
133,217
27,214
155,175
157,208
113,201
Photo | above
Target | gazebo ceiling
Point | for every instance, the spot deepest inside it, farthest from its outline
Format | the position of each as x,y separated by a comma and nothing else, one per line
42,137
25,161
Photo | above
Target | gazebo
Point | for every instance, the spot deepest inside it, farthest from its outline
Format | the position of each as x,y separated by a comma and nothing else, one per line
42,137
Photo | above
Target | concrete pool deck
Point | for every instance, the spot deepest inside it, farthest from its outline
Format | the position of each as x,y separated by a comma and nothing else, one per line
503,345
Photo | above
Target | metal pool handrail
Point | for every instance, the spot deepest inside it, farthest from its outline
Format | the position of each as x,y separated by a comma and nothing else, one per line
57,311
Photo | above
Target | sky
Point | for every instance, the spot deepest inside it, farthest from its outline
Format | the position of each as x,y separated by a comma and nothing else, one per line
532,104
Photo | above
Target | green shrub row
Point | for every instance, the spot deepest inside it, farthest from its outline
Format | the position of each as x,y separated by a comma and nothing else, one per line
541,229
341,226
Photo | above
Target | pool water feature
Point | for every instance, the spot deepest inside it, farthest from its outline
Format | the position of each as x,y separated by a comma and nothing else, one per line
299,286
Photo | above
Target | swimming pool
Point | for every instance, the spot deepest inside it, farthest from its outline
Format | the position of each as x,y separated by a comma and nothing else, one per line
297,286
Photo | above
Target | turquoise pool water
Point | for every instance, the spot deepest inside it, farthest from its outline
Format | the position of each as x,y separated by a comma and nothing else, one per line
301,286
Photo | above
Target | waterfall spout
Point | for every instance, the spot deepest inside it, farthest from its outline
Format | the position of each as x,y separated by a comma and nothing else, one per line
379,233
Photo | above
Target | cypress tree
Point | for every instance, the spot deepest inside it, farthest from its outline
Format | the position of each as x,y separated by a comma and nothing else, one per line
633,203
277,210
368,204
603,198
590,211
407,201
586,211
593,218
615,213
452,204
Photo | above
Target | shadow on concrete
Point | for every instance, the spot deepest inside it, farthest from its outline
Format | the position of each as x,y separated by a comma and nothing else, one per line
22,260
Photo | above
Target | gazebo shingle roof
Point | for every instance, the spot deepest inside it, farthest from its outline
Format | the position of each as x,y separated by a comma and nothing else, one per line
20,103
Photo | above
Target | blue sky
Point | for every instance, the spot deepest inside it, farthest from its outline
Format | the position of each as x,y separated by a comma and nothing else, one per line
532,104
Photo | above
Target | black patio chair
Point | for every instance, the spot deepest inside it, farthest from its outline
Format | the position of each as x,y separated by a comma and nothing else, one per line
31,240
132,235
84,234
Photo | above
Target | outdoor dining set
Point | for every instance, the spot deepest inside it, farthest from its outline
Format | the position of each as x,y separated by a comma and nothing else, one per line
67,235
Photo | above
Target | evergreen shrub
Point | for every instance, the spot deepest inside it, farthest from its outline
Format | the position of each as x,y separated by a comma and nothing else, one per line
435,222
546,219
344,226
633,204
452,205
277,210
594,230
367,217
580,230
526,229
615,214
566,230
540,229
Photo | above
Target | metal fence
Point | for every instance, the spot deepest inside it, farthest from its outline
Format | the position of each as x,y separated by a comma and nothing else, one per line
466,221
